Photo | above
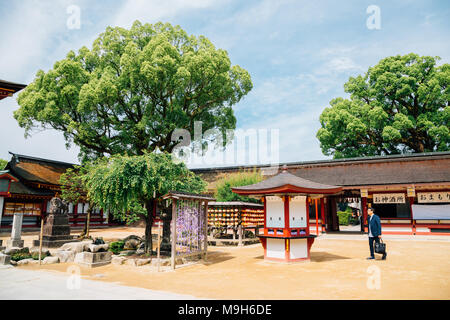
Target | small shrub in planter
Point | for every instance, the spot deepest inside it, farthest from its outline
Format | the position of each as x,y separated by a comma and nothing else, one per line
116,247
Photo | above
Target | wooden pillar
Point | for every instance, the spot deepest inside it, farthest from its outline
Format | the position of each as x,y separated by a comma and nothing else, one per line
206,232
317,217
364,208
286,216
411,202
307,216
322,213
174,233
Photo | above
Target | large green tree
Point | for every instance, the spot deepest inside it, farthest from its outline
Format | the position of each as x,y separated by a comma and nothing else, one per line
133,89
400,105
128,186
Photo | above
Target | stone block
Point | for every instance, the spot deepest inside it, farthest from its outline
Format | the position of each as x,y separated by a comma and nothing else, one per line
97,247
65,255
27,261
14,243
118,260
4,259
141,262
50,260
130,262
91,259
77,247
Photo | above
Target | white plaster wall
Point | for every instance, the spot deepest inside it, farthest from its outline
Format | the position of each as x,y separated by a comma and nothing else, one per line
275,248
274,212
298,248
297,212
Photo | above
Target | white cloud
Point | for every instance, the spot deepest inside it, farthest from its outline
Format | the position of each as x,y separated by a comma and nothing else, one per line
153,11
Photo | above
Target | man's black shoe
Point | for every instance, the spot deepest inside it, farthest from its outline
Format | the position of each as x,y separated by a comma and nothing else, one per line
371,258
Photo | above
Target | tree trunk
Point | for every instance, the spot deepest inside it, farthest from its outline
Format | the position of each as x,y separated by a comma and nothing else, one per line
85,233
148,226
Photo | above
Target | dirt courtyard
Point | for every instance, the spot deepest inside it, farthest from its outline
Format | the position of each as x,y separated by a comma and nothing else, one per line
418,269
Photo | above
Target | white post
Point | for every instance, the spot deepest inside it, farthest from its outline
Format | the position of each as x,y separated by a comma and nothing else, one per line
16,232
240,235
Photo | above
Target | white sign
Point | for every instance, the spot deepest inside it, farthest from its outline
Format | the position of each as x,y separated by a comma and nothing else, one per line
430,197
389,198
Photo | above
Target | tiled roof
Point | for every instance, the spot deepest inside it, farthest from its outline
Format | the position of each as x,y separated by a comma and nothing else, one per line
286,179
37,170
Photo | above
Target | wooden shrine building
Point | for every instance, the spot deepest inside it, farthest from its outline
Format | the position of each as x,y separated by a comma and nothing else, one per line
410,193
28,184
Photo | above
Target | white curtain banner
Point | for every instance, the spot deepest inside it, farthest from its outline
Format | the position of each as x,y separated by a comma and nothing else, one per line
432,212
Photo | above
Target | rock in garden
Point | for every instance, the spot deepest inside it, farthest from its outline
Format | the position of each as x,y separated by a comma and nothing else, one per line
118,260
98,247
130,262
141,262
65,255
26,261
35,251
50,260
4,259
13,263
140,251
132,242
77,247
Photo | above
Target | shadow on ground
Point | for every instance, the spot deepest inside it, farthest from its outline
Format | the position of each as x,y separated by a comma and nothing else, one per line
325,256
217,257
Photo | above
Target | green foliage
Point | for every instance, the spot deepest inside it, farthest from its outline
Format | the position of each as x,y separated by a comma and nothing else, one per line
400,105
3,164
344,217
116,247
123,185
20,255
223,189
44,254
133,89
72,186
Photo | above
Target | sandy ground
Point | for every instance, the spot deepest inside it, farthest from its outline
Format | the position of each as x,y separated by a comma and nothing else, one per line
417,269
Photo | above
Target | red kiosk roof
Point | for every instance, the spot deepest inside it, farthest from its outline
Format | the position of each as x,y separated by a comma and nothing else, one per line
285,182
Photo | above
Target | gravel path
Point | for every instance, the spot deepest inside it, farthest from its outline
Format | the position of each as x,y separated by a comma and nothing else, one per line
18,284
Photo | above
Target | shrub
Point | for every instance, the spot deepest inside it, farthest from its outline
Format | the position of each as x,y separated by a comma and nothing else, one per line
344,217
243,178
44,254
116,247
20,256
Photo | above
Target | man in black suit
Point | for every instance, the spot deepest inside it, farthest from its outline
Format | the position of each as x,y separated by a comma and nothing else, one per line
374,232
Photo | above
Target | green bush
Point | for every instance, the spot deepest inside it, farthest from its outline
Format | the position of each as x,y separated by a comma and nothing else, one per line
116,247
44,254
344,217
20,256
243,178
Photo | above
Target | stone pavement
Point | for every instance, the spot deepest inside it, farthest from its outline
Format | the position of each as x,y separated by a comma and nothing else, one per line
20,284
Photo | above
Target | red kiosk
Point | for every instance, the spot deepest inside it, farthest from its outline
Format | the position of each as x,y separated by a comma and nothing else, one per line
286,234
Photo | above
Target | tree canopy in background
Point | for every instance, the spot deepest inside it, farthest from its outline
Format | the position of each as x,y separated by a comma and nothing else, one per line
133,89
224,185
3,164
128,186
400,105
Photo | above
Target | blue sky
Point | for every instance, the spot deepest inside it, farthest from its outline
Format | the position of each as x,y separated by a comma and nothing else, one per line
299,54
